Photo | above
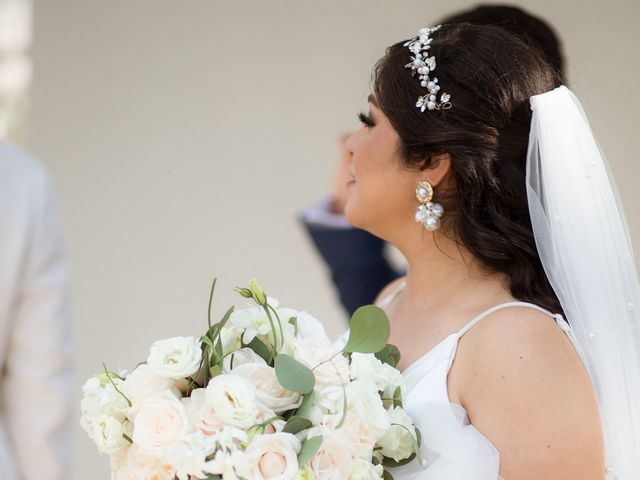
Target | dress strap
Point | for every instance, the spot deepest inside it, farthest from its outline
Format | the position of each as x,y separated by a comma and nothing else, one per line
389,298
466,328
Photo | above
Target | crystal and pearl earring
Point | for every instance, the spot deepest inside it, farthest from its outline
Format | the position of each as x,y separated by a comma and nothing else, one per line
428,213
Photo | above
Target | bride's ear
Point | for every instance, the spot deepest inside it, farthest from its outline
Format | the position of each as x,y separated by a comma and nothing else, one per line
436,168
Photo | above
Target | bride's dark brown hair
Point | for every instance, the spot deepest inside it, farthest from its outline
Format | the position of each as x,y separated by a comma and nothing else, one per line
490,75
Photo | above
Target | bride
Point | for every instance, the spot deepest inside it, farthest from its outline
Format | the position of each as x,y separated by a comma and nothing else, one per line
514,318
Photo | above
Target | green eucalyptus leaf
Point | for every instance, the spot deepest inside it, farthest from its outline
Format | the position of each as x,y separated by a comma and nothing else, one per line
309,449
296,424
293,375
390,462
261,349
389,355
369,330
305,407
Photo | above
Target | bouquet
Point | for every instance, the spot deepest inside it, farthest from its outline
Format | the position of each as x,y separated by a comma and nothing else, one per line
263,394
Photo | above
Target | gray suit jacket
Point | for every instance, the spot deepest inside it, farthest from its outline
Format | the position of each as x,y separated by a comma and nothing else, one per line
36,383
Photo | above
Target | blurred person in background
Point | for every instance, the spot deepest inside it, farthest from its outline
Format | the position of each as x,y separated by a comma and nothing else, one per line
36,350
355,257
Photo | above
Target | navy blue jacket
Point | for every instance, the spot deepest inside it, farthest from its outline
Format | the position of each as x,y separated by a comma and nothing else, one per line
356,261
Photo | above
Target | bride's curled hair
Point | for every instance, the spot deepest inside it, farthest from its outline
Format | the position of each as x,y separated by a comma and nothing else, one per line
490,75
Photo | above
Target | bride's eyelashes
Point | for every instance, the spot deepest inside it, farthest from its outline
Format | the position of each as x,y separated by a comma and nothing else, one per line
366,120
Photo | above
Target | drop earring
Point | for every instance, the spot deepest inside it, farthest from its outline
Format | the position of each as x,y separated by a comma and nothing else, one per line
428,213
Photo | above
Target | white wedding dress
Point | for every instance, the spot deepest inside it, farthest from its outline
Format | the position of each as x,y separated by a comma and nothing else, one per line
452,448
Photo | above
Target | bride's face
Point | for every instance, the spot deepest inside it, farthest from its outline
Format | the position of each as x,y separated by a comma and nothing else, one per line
381,196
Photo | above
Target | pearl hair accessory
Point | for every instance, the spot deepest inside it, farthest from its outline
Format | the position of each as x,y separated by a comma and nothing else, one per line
428,213
422,64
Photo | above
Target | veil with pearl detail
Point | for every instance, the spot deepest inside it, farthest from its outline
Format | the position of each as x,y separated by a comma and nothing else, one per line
583,241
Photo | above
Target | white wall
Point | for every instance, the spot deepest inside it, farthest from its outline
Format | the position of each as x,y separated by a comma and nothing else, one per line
184,137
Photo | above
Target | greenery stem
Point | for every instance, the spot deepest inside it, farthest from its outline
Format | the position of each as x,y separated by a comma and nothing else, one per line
106,371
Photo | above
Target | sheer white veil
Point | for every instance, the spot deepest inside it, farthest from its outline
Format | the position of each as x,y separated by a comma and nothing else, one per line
584,244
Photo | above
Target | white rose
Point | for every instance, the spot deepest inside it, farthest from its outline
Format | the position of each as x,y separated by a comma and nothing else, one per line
364,400
334,458
100,397
368,366
176,358
268,388
233,399
201,413
397,442
272,456
365,470
161,422
189,457
306,327
240,357
225,463
108,433
329,366
386,378
393,379
141,384
327,401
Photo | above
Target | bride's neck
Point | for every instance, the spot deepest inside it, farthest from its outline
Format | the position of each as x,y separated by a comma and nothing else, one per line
440,270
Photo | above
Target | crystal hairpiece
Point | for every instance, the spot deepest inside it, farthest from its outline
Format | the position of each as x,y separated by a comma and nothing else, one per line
422,64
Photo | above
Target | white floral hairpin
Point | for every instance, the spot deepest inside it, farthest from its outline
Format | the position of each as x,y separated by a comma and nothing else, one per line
422,64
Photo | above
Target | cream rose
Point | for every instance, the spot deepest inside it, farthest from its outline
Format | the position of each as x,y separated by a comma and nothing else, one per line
233,399
143,383
356,431
161,422
137,465
268,388
176,358
272,456
397,442
334,458
366,419
315,353
201,413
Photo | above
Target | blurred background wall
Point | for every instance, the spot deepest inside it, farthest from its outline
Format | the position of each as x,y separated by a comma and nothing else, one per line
184,137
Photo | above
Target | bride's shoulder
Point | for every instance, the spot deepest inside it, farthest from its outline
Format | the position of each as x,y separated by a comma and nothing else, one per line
523,386
520,338
389,289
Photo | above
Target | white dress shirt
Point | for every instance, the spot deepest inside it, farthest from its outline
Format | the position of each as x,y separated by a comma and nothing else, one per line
36,348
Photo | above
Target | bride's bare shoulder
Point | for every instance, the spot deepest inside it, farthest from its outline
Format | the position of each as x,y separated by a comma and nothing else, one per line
389,289
525,388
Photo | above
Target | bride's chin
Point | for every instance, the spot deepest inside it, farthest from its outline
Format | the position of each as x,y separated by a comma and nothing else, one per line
350,213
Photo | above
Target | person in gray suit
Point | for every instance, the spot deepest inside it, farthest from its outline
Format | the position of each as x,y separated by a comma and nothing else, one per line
36,348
